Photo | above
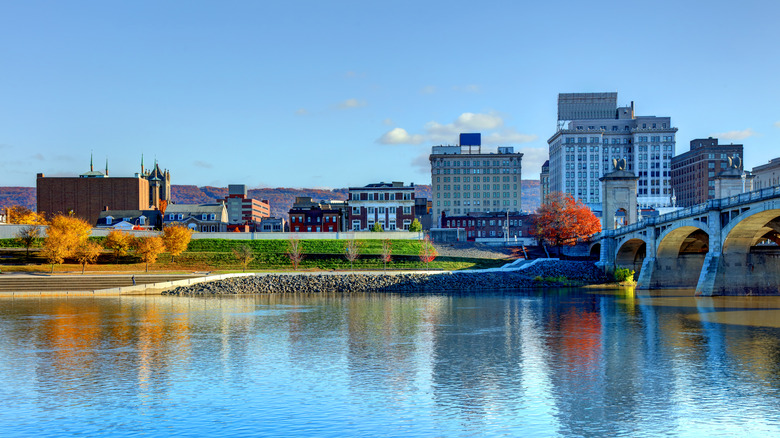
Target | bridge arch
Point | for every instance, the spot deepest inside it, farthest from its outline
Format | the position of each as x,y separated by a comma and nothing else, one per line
747,229
687,237
680,255
631,254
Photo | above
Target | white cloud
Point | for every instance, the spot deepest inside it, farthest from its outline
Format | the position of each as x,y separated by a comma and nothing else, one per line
777,124
468,88
422,164
388,122
428,89
203,164
301,112
735,135
491,125
351,103
533,158
400,136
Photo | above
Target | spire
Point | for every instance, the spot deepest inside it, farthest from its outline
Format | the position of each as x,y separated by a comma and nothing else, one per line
106,166
91,168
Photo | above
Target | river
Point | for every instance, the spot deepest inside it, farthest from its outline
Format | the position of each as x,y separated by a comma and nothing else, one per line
571,362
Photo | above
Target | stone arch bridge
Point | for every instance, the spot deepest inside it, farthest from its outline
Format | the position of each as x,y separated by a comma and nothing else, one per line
728,246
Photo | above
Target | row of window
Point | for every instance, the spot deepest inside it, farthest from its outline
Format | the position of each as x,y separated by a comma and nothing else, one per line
381,210
476,195
203,217
476,179
615,127
506,203
475,163
474,171
380,196
300,218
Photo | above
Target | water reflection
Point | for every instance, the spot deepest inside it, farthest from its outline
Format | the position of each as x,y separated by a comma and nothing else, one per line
567,362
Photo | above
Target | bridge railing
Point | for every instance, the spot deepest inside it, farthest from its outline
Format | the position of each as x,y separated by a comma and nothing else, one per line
712,204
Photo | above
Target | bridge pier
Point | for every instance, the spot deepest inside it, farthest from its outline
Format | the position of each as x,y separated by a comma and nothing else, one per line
739,274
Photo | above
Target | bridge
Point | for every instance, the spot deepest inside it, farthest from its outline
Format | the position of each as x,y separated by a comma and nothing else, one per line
727,246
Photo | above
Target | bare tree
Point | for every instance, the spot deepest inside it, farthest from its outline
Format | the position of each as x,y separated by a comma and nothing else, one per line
28,236
428,252
351,251
387,252
294,252
244,255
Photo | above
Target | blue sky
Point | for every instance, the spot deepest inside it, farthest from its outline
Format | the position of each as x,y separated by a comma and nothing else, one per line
338,94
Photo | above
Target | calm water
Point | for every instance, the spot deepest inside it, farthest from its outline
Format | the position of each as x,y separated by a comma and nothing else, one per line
568,363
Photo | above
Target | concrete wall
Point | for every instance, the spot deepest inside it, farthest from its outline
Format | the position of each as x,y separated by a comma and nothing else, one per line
10,231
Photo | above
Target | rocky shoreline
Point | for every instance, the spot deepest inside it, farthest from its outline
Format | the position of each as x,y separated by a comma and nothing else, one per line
576,273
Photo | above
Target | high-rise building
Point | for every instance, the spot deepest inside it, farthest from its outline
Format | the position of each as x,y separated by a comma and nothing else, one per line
592,132
465,179
694,172
243,212
544,181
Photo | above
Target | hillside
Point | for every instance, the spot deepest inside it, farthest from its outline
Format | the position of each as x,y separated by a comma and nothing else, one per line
280,198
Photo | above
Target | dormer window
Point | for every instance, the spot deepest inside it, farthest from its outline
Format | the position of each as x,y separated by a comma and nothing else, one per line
204,216
142,220
171,217
213,216
109,220
181,216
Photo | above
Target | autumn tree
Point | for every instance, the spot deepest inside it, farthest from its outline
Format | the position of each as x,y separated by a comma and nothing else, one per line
176,239
149,248
415,226
352,251
19,214
428,252
387,252
294,252
244,255
87,253
63,236
29,236
562,220
119,243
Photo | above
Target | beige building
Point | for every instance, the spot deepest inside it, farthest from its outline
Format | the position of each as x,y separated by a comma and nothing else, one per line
466,179
767,175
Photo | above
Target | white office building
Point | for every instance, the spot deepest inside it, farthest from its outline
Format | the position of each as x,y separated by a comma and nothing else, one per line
592,132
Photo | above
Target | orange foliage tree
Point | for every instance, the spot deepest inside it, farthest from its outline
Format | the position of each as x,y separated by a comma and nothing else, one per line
19,214
63,237
563,221
176,239
149,248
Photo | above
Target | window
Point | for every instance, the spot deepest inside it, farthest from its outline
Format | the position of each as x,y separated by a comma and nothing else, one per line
407,210
142,220
204,217
355,210
356,225
181,216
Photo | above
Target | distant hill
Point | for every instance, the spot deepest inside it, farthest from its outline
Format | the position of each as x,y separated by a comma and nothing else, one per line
280,198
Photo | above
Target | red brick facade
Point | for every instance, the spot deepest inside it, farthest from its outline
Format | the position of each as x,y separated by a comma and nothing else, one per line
87,197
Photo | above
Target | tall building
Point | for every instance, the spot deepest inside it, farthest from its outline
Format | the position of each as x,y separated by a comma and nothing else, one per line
465,179
544,181
88,194
694,172
390,204
767,175
243,212
592,131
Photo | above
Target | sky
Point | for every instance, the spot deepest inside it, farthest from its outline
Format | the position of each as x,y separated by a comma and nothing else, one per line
346,93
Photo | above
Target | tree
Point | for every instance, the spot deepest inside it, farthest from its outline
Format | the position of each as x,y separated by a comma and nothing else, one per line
244,255
19,214
64,235
149,248
176,239
28,236
352,251
118,242
86,253
387,252
377,228
415,226
294,252
562,220
428,252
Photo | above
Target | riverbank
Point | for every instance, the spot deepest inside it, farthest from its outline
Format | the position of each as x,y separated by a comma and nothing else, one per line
544,274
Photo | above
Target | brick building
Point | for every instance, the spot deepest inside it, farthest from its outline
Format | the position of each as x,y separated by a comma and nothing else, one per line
244,213
86,195
694,172
308,216
492,224
390,204
211,218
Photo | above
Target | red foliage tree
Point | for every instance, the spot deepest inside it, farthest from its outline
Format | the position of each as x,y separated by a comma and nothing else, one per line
563,221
